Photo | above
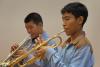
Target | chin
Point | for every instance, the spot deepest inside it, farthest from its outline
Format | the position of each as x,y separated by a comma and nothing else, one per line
67,32
32,36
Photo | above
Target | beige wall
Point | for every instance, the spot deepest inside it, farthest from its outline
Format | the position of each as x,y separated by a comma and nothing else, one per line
13,12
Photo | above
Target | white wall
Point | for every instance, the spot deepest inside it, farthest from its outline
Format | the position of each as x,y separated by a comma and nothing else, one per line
13,12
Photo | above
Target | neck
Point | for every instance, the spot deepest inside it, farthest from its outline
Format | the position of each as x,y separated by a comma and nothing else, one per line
75,35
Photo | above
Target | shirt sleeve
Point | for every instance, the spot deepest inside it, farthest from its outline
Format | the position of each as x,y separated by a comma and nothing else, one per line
81,58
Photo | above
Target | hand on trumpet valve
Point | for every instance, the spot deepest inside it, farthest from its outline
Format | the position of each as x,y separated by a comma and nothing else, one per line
14,47
19,53
38,40
41,51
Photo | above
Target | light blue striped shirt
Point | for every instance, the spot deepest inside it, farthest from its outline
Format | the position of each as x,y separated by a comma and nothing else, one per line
70,56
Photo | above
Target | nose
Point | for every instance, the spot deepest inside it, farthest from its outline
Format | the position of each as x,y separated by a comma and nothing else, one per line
64,26
29,31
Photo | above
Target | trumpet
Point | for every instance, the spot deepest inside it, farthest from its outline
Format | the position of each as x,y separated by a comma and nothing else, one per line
35,58
6,62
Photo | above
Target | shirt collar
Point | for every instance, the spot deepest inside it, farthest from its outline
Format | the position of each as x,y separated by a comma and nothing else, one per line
76,41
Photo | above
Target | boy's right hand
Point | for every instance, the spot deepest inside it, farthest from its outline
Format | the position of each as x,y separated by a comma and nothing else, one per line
14,47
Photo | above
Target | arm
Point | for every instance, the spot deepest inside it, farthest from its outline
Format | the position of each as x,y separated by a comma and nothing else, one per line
82,58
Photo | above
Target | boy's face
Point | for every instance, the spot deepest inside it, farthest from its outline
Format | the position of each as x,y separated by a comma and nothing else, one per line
71,24
33,29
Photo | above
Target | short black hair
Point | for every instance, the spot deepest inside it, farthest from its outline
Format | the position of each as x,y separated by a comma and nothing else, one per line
77,9
34,17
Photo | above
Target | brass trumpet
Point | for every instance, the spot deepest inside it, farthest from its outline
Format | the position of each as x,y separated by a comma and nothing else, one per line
7,61
34,59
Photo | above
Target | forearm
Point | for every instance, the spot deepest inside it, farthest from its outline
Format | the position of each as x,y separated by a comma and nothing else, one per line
54,57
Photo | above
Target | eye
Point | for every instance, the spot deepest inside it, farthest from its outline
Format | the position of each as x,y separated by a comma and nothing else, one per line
31,27
67,19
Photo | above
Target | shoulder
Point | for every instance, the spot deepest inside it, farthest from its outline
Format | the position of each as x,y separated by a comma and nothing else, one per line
82,42
85,44
45,35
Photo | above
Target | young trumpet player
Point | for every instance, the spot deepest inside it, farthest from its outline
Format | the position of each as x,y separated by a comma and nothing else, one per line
76,50
34,26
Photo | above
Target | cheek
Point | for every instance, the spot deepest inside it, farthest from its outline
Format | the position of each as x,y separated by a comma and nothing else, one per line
74,27
35,30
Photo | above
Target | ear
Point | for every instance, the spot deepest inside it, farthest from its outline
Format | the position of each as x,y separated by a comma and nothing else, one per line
80,20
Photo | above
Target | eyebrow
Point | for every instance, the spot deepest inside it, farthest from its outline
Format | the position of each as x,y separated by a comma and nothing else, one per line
65,17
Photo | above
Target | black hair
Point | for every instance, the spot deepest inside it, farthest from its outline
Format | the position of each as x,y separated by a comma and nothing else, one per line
77,9
34,17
